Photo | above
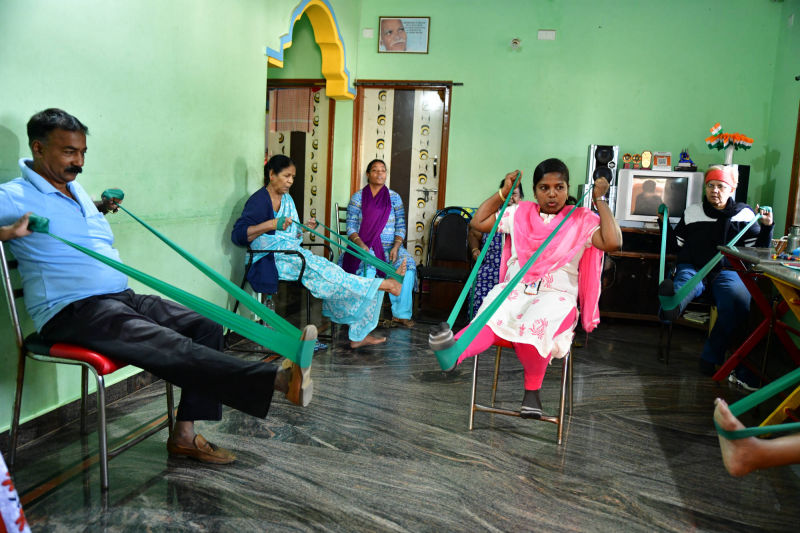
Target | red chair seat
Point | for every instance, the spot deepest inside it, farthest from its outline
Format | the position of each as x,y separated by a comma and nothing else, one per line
103,365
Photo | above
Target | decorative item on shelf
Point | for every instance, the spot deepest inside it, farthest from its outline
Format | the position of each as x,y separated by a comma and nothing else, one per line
637,159
647,159
728,142
662,161
686,163
626,161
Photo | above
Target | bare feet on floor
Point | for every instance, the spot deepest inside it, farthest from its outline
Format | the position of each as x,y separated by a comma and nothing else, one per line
369,340
735,453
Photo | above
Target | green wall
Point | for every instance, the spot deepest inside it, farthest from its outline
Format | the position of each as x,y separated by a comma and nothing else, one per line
643,75
778,153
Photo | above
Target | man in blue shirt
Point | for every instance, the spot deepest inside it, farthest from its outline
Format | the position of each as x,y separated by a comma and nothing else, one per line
74,298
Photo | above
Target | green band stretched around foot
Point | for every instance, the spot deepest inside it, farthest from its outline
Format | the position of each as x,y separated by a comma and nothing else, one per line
287,345
750,401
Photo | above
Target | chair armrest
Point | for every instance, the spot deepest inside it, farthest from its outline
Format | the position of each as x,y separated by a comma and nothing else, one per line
251,252
328,250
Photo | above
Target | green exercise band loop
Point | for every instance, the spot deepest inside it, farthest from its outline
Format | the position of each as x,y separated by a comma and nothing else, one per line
755,398
289,346
671,302
447,358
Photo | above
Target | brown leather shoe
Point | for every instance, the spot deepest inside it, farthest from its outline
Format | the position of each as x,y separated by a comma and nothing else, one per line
203,451
301,387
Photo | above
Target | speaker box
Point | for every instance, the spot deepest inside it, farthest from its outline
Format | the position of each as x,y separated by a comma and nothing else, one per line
602,163
744,180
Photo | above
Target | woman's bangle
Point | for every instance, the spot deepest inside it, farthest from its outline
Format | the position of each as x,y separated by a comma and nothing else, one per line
356,237
500,194
475,250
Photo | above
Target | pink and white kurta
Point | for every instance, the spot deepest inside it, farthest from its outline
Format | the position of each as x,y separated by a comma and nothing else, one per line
535,312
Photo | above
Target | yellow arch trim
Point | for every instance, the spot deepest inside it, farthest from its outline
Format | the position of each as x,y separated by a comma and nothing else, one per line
328,37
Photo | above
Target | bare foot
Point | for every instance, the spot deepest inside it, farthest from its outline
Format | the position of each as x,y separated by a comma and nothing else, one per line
402,268
405,322
392,286
369,340
735,453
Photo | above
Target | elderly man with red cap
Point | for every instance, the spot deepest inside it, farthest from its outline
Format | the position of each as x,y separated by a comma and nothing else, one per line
702,228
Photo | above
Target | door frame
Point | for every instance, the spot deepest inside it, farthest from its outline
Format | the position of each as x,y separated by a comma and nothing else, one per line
314,82
792,208
358,109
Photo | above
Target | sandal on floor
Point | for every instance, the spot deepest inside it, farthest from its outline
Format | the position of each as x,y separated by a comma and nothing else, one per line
531,405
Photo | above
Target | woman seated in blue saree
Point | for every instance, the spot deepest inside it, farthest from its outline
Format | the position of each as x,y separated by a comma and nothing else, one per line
347,299
376,222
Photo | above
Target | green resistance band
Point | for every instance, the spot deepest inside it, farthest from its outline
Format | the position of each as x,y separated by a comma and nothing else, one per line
287,345
263,312
357,251
748,402
447,358
472,275
670,302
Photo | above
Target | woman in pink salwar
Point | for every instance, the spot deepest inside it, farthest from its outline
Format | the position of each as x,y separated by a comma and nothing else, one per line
540,314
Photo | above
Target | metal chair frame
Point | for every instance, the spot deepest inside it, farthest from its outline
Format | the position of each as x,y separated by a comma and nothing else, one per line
24,350
566,382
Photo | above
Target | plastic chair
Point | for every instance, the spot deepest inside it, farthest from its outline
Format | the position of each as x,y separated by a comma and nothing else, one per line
35,347
566,379
447,242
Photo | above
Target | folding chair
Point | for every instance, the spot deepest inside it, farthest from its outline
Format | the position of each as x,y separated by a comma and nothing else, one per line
566,379
35,347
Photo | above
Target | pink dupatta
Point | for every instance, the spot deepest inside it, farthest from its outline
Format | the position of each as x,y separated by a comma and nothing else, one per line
530,231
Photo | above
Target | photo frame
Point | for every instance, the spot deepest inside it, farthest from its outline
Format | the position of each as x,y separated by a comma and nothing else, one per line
403,35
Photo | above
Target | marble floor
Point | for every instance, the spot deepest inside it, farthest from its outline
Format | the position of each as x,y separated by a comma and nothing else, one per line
384,446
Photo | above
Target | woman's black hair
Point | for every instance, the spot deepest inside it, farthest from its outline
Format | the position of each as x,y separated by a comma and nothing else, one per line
369,166
276,164
550,165
519,186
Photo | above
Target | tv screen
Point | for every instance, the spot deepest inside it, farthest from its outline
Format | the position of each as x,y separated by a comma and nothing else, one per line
649,192
640,192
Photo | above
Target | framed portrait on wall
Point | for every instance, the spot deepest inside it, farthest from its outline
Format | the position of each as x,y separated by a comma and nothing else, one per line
403,35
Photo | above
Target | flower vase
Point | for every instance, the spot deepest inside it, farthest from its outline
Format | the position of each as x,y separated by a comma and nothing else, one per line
729,154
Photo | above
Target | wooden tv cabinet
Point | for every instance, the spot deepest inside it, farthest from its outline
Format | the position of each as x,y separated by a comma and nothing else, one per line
630,276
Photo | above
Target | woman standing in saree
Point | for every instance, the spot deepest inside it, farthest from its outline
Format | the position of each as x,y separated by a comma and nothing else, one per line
540,314
347,299
376,222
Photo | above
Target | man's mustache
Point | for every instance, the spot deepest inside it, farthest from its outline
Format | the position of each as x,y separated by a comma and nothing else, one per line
73,170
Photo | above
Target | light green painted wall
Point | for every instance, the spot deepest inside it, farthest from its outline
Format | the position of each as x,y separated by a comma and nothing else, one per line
643,75
784,113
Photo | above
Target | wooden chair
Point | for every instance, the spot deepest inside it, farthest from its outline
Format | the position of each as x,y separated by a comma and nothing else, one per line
341,222
99,365
566,380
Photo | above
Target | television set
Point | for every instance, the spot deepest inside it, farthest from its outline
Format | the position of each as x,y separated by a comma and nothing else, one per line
641,192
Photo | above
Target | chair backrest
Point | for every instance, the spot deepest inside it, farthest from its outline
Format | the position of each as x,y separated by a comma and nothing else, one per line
341,219
12,295
448,236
